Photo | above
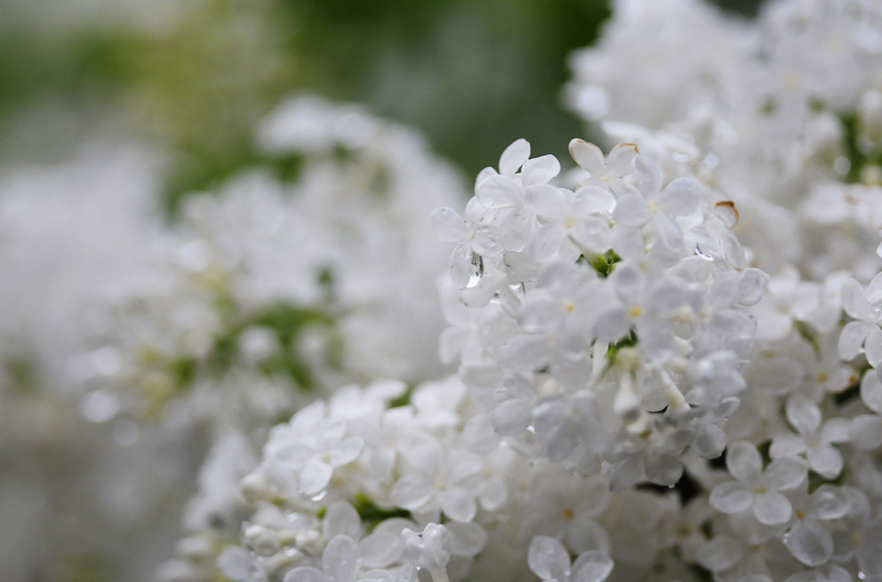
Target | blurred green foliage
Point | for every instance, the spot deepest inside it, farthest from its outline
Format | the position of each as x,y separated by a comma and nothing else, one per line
473,75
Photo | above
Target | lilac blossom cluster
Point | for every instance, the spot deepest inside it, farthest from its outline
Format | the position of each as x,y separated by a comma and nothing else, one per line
668,354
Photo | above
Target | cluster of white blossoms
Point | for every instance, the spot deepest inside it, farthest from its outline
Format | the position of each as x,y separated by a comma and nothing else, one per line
315,269
668,356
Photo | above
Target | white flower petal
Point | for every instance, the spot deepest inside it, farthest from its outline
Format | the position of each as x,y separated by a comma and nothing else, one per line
627,242
592,236
592,567
547,557
873,346
826,460
512,417
546,201
483,175
851,340
667,231
525,353
828,502
721,553
744,461
381,549
548,240
458,504
514,157
611,325
494,493
589,156
751,286
874,290
855,303
621,159
499,192
237,564
809,542
786,473
584,534
487,241
346,452
681,197
663,469
449,226
341,519
803,414
786,445
451,343
629,283
709,442
871,391
593,200
315,476
731,497
412,491
649,175
341,559
461,267
540,170
632,211
540,312
772,508
466,539
865,432
835,430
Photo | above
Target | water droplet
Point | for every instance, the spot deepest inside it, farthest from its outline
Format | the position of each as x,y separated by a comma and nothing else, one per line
842,166
320,496
702,254
478,264
518,290
861,575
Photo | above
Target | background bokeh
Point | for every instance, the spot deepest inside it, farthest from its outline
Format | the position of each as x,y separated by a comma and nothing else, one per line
193,76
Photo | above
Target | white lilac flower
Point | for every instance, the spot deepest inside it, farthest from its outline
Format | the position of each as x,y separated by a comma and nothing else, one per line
605,173
662,208
814,440
808,538
757,488
565,508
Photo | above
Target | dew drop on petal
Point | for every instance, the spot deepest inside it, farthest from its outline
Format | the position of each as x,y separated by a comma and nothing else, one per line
478,264
702,254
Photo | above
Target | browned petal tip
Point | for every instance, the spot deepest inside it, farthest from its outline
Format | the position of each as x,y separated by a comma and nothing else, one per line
730,205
